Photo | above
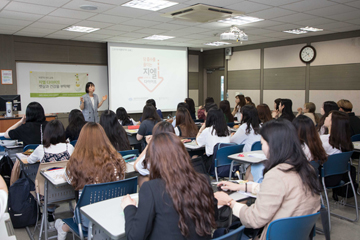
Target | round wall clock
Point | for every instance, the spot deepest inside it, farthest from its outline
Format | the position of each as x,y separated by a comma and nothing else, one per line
307,54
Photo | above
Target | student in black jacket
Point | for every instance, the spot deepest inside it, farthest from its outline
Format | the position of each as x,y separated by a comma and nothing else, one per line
177,202
346,106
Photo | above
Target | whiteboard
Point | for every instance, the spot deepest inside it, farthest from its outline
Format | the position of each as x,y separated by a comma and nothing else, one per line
97,75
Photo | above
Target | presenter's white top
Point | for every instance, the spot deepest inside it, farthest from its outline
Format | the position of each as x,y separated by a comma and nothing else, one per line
92,102
38,153
327,147
241,137
209,139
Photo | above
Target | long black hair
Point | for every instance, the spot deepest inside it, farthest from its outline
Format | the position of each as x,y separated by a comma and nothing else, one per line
250,117
114,131
76,122
54,133
122,115
35,112
328,106
216,119
287,112
340,134
285,147
191,104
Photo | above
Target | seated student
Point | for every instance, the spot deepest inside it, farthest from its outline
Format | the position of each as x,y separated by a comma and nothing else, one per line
248,101
264,113
185,126
201,110
93,161
328,106
30,128
309,111
309,139
114,131
173,119
76,122
285,108
54,147
290,187
276,112
213,131
153,103
124,118
338,140
149,119
225,107
346,106
240,102
3,196
191,104
248,132
177,202
139,164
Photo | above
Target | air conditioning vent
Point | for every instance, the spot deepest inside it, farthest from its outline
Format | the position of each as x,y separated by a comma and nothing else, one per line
202,13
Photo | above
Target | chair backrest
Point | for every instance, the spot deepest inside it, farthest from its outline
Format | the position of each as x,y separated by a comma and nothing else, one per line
294,228
256,146
199,120
336,164
315,165
93,193
233,235
222,153
128,152
230,124
30,146
355,138
73,142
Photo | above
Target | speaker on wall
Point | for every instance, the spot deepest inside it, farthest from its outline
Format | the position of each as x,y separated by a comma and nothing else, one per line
228,51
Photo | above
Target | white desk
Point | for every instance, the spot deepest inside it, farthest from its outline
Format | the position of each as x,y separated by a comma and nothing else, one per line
6,228
356,146
130,167
193,145
248,157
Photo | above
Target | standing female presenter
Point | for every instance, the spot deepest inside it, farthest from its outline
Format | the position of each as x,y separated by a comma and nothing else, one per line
89,103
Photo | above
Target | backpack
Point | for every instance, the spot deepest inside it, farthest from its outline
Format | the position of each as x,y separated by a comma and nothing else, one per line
6,166
22,205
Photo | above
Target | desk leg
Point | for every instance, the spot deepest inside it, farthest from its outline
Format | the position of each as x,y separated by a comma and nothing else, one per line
45,209
90,230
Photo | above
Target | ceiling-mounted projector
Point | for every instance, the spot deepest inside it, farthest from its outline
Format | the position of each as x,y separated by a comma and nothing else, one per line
235,34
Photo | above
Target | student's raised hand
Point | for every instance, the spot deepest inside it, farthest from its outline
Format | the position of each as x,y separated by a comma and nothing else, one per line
104,97
223,198
126,201
275,114
225,185
299,110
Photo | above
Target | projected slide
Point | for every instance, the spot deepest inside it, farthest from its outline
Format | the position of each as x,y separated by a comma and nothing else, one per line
137,73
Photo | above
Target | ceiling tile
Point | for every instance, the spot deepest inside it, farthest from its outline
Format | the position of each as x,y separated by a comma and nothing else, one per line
173,8
262,24
134,35
42,25
346,16
126,12
294,18
259,31
342,1
120,39
75,5
67,34
30,34
272,13
354,21
7,21
307,5
168,26
274,2
151,31
154,16
7,31
284,27
108,18
141,23
248,7
109,32
315,22
60,12
124,28
10,27
354,4
114,2
19,15
331,10
185,23
215,3
29,8
38,30
58,20
94,24
52,3
347,28
3,3
330,26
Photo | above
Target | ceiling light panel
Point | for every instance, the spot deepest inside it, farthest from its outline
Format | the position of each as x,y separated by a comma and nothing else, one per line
152,5
240,20
311,29
158,37
81,29
295,31
216,44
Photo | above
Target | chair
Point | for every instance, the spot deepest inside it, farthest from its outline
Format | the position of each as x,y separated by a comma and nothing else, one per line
335,165
356,138
30,146
256,146
221,157
199,120
233,235
294,228
315,165
73,142
96,193
130,155
230,124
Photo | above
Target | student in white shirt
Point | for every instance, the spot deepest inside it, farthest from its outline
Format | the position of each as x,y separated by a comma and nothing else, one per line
240,102
124,118
328,106
213,131
3,196
54,147
309,139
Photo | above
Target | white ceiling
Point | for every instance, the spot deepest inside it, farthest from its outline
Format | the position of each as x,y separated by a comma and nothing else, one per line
47,18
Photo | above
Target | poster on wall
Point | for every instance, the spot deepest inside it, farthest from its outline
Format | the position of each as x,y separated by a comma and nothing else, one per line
57,84
6,76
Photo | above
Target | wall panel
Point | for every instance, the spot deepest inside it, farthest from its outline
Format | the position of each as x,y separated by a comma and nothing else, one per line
244,60
284,78
297,97
244,79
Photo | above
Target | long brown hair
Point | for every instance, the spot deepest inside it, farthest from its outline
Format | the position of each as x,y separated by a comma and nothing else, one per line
190,191
340,136
94,159
308,135
264,113
241,102
185,123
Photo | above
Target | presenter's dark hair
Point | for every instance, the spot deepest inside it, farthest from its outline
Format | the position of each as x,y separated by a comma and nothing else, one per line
191,104
114,131
225,107
328,106
88,84
54,133
151,102
76,122
285,147
250,117
122,115
149,112
216,119
35,112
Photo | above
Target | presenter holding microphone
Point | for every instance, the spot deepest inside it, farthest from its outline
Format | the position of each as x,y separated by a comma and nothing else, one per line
89,103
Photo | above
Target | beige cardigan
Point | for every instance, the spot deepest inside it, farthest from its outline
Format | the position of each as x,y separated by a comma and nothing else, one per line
281,195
